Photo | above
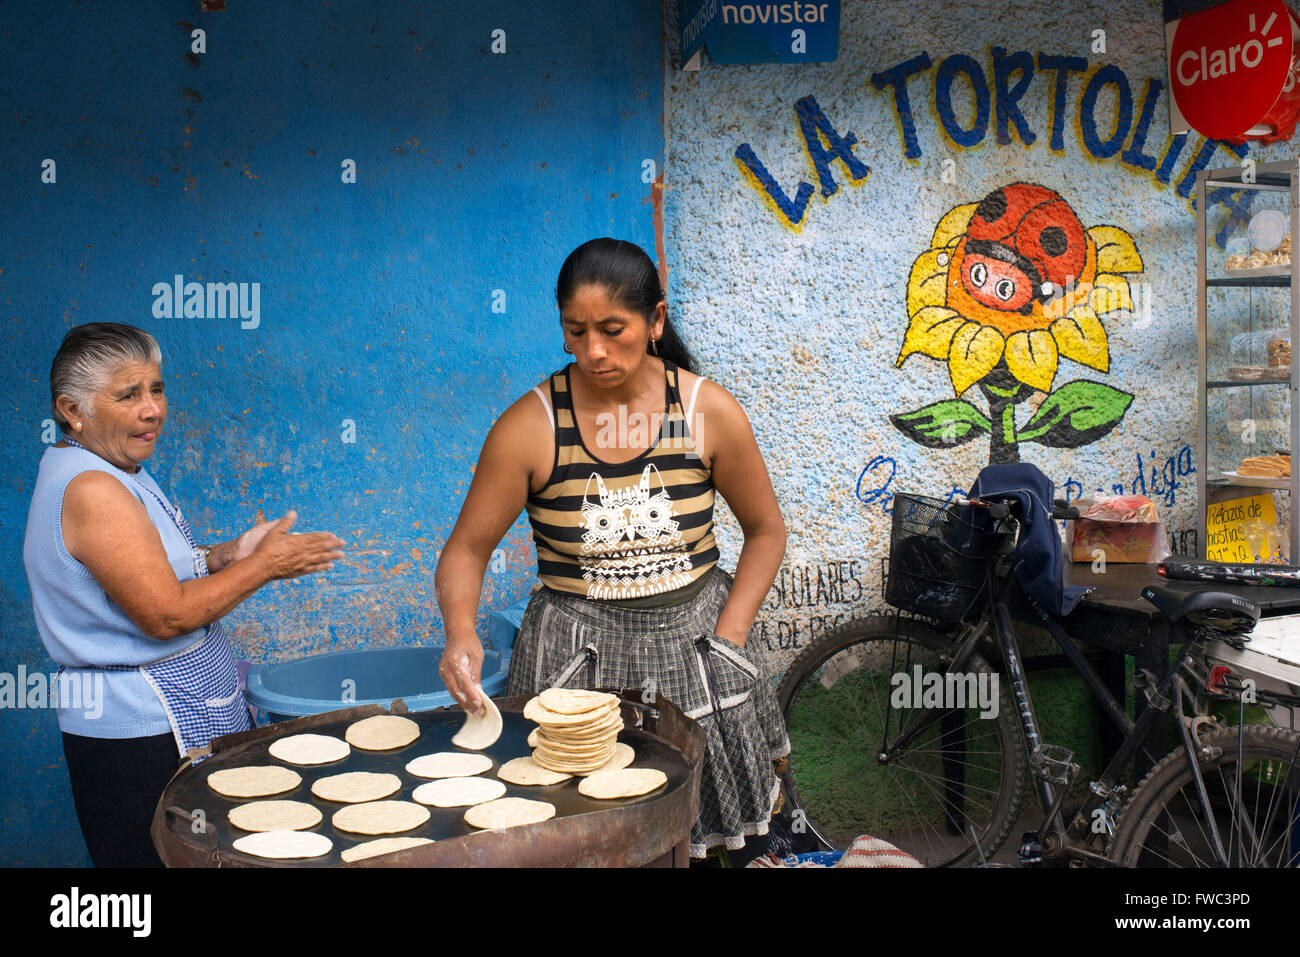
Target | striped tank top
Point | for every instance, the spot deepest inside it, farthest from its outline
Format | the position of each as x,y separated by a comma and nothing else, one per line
628,530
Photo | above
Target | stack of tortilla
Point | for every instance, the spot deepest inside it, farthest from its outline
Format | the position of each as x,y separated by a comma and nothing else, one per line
577,730
1266,466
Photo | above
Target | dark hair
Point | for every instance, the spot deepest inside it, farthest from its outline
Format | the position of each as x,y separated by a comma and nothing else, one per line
624,271
87,357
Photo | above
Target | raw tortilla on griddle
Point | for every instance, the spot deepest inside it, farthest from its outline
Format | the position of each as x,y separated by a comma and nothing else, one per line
309,749
459,792
448,764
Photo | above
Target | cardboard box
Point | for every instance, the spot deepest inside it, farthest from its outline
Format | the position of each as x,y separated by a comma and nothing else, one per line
1138,538
1118,541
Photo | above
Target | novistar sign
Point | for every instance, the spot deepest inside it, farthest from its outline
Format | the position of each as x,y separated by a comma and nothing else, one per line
1233,73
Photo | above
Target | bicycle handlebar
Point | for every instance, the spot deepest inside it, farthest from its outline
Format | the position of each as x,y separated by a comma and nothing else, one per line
1061,510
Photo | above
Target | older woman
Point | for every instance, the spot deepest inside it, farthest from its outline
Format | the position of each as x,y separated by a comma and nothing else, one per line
126,600
617,457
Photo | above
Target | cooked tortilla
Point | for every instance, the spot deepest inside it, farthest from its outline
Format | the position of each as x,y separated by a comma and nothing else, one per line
254,781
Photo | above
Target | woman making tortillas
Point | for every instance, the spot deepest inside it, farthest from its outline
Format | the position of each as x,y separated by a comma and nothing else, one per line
616,458
126,600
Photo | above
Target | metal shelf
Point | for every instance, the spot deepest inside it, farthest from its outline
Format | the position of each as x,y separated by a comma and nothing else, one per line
1238,384
1262,181
1273,178
1281,280
1249,481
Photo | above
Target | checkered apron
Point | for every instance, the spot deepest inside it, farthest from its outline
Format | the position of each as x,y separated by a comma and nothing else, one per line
567,641
198,686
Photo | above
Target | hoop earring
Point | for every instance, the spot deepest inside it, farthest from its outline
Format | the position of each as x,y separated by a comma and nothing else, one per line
567,349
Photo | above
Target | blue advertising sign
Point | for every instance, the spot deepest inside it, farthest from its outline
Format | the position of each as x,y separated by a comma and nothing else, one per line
698,19
778,32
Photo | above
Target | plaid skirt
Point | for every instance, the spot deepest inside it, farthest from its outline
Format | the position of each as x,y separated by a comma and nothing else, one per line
724,687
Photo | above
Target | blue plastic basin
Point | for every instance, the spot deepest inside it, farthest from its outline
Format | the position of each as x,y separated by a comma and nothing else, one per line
345,679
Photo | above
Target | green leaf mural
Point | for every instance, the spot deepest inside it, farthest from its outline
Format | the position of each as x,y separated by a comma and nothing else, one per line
1077,413
943,424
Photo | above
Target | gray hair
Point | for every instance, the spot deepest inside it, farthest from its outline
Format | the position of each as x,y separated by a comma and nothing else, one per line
86,360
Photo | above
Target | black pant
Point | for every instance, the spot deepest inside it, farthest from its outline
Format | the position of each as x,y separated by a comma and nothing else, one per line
116,783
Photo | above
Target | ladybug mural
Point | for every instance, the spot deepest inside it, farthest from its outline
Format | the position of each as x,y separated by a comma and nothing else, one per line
1009,286
1023,243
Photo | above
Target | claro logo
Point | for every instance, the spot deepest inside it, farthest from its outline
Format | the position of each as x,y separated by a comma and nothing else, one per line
1198,65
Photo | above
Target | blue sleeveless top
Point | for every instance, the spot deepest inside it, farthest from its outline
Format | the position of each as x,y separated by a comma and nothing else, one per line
83,629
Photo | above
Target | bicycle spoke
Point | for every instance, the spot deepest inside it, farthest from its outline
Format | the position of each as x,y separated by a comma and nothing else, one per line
937,794
1279,798
1239,825
1289,771
1148,851
927,777
1267,813
946,766
1266,852
916,808
1206,840
940,751
1285,857
884,717
965,764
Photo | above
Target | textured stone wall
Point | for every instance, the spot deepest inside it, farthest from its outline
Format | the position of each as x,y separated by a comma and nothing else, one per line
804,208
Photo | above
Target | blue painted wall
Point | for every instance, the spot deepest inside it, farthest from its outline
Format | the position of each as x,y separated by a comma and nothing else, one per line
476,171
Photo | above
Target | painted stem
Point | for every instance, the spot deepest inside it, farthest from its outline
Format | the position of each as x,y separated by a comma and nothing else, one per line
1003,447
1002,392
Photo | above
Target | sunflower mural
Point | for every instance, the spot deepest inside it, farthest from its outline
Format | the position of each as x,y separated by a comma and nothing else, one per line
1010,286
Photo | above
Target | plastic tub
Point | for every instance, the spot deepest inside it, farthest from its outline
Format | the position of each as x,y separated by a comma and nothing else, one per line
344,679
503,625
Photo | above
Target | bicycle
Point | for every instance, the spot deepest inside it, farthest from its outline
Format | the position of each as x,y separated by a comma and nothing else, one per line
943,778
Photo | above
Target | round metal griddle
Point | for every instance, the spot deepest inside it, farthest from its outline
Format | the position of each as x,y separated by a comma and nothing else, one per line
191,826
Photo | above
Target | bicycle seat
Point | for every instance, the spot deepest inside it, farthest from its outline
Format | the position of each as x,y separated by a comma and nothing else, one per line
1222,611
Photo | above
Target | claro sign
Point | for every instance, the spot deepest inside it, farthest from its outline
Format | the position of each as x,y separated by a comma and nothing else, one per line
1233,72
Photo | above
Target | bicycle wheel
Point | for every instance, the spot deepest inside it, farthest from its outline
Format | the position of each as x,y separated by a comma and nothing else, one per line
961,771
1254,795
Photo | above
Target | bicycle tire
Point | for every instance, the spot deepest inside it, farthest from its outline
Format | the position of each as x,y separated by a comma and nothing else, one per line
1163,823
836,704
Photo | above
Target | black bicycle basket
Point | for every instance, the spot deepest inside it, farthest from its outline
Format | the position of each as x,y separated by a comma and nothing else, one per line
938,556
